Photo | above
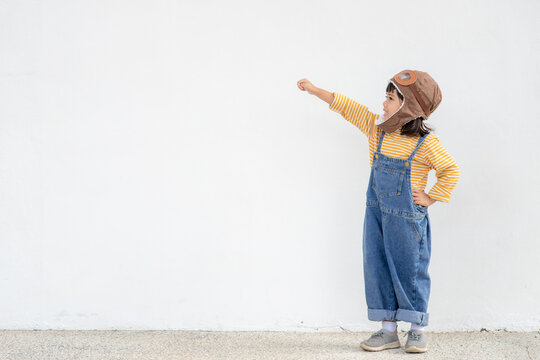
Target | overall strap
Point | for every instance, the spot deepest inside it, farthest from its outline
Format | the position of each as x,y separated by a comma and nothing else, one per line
380,142
417,147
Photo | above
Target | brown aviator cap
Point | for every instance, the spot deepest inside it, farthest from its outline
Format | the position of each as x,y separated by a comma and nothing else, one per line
421,96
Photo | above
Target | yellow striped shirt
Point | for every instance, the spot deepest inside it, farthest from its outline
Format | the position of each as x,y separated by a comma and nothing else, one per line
430,155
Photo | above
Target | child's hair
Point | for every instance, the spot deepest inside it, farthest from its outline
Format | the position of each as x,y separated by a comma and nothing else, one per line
415,127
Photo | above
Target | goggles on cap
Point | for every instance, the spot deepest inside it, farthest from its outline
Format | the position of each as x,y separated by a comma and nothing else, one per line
408,78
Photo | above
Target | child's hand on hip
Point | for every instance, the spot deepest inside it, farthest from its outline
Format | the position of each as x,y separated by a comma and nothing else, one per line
421,198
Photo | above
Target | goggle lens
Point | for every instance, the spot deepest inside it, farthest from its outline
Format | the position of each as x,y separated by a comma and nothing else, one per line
406,77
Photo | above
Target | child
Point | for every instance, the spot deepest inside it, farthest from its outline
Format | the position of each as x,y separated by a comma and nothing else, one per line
397,233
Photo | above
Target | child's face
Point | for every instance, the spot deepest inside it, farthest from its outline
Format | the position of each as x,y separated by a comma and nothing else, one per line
391,104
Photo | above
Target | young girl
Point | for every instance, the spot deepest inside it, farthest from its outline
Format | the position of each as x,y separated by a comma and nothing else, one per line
397,233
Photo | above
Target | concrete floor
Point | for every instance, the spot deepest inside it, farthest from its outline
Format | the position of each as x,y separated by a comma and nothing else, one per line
199,345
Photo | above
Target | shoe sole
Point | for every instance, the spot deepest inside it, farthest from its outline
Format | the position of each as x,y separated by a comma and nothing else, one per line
393,345
414,349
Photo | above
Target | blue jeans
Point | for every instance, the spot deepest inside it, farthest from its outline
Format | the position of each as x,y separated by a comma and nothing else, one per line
396,243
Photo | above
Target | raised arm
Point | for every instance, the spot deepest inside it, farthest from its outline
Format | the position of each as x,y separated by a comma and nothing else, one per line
306,85
324,95
355,113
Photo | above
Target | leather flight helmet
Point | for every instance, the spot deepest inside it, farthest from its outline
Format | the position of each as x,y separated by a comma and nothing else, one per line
421,96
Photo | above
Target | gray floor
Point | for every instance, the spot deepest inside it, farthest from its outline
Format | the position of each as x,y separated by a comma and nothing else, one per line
195,345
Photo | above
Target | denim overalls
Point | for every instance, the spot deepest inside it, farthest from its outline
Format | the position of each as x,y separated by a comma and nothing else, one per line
396,243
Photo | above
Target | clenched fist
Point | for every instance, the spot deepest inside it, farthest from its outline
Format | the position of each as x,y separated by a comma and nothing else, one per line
306,85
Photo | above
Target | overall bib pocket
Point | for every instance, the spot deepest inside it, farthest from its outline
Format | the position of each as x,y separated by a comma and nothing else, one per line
387,181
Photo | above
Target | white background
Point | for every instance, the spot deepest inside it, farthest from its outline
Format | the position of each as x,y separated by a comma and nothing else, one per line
159,168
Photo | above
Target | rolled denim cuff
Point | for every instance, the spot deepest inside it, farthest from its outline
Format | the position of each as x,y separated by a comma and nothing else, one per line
411,316
381,314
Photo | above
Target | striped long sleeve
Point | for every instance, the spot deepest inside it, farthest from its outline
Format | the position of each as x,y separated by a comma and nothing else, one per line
355,113
447,171
430,155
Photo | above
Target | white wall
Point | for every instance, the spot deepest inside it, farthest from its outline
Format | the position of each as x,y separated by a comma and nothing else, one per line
159,168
